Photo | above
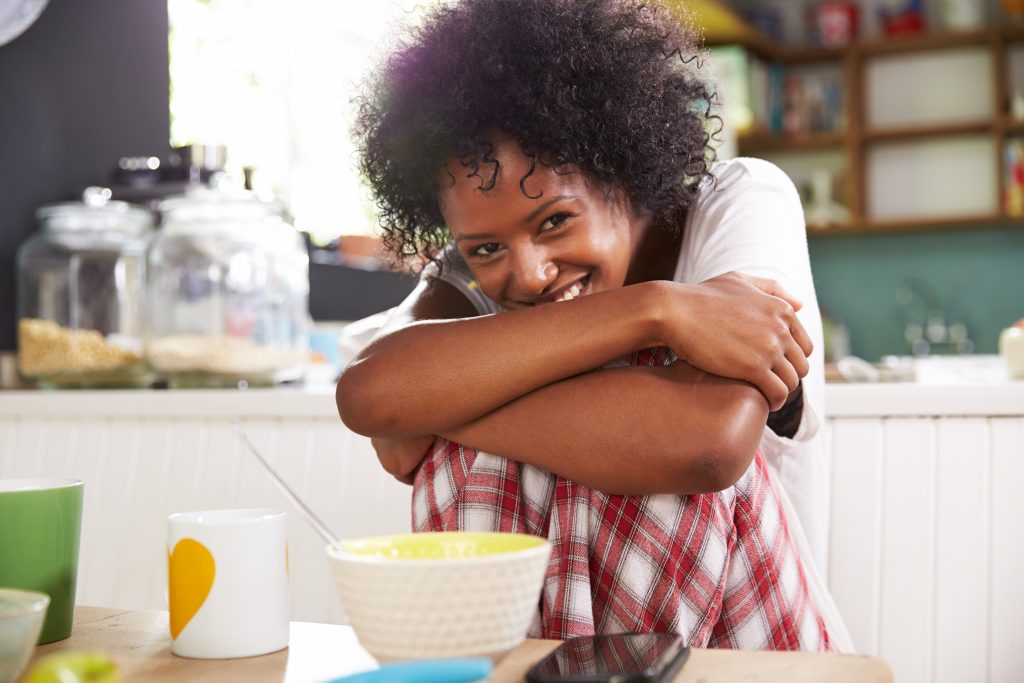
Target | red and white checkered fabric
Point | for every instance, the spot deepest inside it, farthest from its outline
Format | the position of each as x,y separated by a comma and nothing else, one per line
721,569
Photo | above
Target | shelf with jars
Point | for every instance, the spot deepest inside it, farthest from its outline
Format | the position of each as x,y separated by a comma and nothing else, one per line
925,131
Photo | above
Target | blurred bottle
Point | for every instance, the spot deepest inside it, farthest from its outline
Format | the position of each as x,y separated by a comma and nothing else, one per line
1011,348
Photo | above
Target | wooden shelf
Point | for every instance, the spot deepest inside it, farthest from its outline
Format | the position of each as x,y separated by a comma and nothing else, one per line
1013,33
1013,125
923,42
755,41
933,222
926,41
940,130
752,143
843,230
810,54
924,224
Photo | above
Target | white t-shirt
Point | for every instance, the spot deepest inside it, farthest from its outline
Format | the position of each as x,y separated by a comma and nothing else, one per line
748,220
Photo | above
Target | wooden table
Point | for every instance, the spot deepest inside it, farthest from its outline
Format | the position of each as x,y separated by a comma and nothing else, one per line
140,643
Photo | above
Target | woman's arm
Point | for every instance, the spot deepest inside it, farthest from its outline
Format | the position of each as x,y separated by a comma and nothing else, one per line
432,376
635,430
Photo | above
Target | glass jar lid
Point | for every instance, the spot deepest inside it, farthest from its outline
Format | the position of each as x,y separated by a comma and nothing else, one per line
95,213
210,206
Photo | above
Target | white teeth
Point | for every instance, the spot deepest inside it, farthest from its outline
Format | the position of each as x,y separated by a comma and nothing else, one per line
570,293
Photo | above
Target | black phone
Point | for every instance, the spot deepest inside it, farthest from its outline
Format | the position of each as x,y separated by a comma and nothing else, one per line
614,658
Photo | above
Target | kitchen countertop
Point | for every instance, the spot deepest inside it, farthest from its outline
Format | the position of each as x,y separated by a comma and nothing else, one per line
139,642
842,400
307,402
944,386
909,399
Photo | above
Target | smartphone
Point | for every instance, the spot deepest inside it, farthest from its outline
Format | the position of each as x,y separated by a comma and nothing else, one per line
615,658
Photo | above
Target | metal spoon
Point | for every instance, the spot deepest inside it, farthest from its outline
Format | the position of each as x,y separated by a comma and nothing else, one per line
320,527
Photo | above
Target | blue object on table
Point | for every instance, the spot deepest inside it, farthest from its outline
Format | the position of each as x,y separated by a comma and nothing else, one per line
424,671
326,343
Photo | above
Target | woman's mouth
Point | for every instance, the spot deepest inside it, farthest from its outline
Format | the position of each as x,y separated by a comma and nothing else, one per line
576,290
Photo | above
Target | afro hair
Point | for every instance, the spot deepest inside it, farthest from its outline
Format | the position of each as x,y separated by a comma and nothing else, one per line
610,87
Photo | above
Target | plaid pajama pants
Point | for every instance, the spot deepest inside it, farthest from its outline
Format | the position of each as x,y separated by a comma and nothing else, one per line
720,568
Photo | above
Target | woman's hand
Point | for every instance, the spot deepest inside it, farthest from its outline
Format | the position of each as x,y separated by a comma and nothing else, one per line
402,457
741,327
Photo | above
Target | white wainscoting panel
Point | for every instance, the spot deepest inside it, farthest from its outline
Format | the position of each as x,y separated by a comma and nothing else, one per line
1006,558
855,564
908,566
962,551
926,556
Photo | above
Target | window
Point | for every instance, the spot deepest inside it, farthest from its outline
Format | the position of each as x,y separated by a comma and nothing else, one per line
273,81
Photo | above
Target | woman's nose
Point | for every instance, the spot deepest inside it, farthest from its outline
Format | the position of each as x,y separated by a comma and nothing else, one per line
533,273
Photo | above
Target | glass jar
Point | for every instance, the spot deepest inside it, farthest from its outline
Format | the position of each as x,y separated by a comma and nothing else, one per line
227,293
81,281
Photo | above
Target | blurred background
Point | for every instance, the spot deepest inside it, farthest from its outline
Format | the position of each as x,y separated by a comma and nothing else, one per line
897,119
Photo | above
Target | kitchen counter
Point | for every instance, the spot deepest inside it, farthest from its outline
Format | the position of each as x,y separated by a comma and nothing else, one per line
881,399
284,402
976,385
910,399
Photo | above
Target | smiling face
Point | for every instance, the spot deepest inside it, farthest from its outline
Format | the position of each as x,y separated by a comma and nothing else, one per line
562,238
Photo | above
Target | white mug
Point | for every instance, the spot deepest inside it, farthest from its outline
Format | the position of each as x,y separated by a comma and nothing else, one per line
227,580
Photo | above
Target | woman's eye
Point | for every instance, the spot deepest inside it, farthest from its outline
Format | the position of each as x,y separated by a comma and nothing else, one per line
553,222
484,250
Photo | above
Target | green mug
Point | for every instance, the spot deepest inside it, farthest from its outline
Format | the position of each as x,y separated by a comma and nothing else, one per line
40,527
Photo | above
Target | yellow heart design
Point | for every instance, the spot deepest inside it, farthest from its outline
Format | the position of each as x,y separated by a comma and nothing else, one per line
190,571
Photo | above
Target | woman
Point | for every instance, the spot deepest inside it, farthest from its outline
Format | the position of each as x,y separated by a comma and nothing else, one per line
552,160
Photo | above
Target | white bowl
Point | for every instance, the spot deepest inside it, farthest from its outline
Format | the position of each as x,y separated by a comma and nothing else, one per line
21,620
440,594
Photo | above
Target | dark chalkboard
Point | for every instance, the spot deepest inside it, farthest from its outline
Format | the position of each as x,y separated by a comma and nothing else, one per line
84,86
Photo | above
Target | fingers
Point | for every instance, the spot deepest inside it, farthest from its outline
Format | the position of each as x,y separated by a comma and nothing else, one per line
787,374
783,377
401,458
772,287
774,389
793,346
391,458
796,357
801,337
400,472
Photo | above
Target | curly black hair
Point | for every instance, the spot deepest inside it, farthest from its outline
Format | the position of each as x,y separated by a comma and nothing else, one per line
608,86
